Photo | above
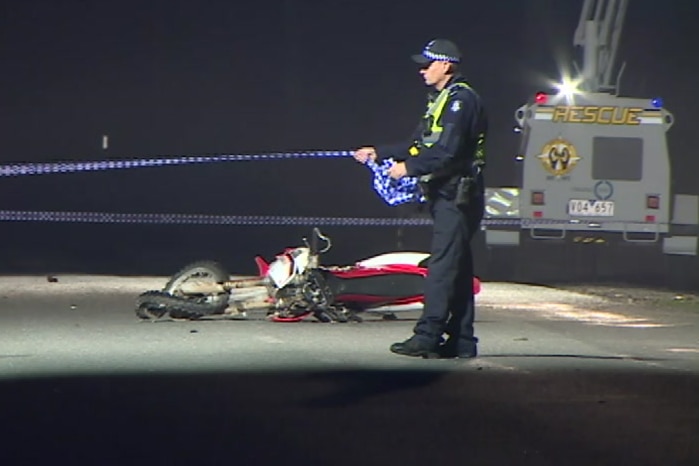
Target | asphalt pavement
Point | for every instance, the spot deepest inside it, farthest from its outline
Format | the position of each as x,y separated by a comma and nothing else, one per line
563,378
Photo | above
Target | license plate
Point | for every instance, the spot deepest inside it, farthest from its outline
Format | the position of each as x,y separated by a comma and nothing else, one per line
591,208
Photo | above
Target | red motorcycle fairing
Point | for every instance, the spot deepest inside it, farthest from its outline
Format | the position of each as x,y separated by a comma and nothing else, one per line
397,270
351,271
367,299
360,271
350,282
392,270
262,266
297,318
357,271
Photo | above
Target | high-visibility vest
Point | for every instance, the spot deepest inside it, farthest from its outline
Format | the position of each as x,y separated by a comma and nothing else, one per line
433,128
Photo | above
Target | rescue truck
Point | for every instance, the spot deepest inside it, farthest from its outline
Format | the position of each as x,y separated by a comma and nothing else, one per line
593,165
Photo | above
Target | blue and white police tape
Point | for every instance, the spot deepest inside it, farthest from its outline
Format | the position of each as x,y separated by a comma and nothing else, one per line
208,219
394,192
204,219
28,168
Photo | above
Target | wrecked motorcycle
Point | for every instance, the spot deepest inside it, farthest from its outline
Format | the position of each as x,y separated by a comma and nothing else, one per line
294,286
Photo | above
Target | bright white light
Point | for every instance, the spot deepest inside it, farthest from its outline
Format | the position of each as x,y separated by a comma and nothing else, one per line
568,88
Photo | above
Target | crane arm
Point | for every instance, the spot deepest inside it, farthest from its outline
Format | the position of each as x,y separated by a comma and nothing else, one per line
598,33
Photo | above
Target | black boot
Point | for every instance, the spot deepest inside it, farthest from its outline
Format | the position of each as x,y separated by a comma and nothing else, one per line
417,347
454,348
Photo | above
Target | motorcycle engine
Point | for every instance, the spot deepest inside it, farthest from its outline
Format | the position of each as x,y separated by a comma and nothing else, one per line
306,292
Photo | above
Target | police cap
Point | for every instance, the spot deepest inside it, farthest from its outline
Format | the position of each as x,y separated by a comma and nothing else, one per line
438,50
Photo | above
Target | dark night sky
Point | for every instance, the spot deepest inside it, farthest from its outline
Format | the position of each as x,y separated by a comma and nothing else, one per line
193,77
211,76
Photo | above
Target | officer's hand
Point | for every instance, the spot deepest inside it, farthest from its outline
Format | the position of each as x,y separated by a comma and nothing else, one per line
365,153
397,170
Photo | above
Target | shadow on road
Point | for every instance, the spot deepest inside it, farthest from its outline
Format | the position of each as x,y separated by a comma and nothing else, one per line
349,417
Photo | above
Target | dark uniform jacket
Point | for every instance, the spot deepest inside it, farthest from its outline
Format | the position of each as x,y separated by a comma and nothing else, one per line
464,121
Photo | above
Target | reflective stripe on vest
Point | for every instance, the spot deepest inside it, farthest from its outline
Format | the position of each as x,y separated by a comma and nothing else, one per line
434,128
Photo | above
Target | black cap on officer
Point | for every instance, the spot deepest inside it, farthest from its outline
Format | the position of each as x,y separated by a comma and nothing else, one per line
438,50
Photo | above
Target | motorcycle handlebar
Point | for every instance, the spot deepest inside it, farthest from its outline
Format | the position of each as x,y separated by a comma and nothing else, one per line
317,235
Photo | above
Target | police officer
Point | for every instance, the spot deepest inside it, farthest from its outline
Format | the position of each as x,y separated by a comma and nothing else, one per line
446,153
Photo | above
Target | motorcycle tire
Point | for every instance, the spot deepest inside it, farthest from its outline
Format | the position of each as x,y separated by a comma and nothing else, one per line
155,304
213,271
147,309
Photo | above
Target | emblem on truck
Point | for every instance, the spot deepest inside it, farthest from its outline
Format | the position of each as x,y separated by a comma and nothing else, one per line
559,157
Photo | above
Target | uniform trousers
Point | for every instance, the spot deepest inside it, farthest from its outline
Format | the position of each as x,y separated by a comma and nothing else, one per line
449,296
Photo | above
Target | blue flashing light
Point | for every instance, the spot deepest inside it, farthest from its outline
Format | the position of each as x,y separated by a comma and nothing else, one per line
657,102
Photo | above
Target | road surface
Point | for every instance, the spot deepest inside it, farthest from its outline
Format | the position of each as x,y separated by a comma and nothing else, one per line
563,378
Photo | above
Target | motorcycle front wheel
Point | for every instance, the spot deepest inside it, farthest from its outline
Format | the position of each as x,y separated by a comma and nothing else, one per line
171,300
